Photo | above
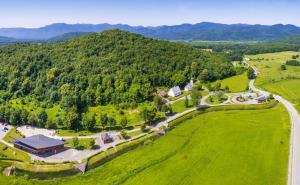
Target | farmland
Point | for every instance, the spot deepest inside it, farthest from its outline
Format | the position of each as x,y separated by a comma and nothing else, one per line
211,148
272,78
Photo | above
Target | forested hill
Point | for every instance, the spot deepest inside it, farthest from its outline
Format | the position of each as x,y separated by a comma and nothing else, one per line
110,67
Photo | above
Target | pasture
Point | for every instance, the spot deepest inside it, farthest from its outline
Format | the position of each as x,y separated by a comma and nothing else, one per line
226,147
273,79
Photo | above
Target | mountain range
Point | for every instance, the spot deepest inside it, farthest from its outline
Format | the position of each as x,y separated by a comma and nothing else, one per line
205,31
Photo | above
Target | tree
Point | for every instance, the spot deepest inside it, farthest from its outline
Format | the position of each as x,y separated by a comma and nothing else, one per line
195,96
50,124
104,120
111,122
43,117
227,88
124,134
148,115
89,122
186,102
92,144
124,122
75,141
217,86
72,121
251,73
158,102
283,67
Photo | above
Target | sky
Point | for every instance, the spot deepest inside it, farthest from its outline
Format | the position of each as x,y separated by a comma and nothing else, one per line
37,13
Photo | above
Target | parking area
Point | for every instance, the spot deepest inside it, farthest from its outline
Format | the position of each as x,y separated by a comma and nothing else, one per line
28,131
4,129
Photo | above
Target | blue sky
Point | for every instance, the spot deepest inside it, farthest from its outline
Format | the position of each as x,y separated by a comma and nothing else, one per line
35,13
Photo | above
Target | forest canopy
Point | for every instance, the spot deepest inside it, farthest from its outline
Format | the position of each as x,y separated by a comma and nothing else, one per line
114,67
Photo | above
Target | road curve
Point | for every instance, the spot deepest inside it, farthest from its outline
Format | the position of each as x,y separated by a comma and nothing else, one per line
294,154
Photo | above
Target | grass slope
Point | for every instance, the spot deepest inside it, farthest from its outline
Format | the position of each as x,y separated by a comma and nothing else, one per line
228,148
236,83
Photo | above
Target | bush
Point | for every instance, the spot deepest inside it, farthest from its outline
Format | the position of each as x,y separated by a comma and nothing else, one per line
124,134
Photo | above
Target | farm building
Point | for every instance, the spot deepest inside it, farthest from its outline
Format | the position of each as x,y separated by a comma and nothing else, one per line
106,138
189,86
39,144
174,91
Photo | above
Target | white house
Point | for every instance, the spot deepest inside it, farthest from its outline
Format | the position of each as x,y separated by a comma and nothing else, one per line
189,86
174,91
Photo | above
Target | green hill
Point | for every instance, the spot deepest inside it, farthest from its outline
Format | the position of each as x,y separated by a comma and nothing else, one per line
112,67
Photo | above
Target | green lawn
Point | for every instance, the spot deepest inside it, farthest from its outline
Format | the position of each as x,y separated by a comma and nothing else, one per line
12,153
228,148
12,134
236,83
179,106
214,100
135,133
83,144
272,78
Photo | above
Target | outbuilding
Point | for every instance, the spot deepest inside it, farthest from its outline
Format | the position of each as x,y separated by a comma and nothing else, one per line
39,144
262,99
106,138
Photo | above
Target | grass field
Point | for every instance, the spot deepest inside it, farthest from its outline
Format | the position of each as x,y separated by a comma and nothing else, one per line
272,78
237,83
179,106
83,144
228,148
12,153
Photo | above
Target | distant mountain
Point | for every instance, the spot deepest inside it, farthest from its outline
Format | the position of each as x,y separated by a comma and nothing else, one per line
201,31
6,40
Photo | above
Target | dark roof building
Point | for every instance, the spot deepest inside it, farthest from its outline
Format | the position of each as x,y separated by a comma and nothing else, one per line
39,144
262,99
106,138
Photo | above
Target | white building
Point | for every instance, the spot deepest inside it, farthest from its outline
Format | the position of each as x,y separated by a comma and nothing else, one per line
189,86
174,91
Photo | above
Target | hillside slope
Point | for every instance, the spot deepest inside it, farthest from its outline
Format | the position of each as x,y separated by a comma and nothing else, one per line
111,67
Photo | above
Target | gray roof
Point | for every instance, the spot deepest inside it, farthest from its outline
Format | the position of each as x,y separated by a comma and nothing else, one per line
175,90
263,98
105,136
39,141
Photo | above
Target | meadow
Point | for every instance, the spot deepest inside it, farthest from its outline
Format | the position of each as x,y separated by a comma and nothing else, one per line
226,147
273,79
238,83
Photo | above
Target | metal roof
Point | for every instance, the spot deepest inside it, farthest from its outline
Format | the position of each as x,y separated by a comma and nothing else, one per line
175,90
39,141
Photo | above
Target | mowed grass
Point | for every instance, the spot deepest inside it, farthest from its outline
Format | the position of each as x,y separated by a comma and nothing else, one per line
226,148
272,78
179,106
12,134
237,83
83,144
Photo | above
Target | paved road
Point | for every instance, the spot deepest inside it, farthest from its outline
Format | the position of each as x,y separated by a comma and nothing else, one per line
294,156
